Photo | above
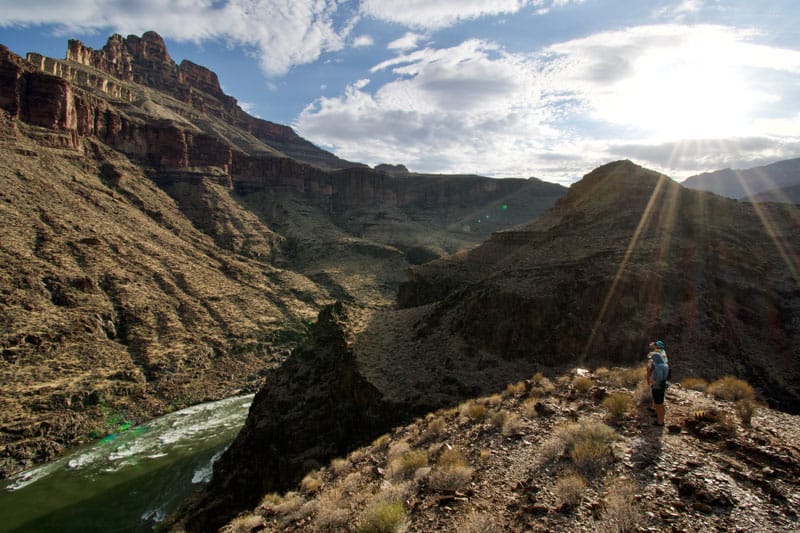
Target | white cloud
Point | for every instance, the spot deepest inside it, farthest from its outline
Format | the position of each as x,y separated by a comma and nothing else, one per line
280,33
555,114
409,41
363,41
442,13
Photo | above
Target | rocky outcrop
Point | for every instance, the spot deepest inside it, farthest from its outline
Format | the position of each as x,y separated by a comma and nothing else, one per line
318,405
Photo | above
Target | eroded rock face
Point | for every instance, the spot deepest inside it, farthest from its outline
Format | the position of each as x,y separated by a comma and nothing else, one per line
316,406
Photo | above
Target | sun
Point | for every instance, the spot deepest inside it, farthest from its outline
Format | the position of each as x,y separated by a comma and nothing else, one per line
685,93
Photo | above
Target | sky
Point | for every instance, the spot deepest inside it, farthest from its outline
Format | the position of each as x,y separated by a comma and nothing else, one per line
505,88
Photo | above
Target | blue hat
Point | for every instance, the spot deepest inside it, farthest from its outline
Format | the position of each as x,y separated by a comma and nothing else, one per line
660,344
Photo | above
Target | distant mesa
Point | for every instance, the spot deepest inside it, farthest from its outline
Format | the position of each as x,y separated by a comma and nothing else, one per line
392,169
747,183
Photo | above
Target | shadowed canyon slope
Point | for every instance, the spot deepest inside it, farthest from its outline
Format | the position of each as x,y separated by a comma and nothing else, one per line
626,256
750,182
162,247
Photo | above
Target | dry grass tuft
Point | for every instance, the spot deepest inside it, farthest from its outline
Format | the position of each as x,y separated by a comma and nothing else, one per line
492,401
569,490
398,448
476,522
588,443
601,372
619,513
404,466
473,410
698,384
583,383
382,517
515,389
434,430
284,505
452,471
498,418
339,466
244,524
618,404
332,512
745,409
731,388
529,408
513,425
628,377
538,378
311,482
381,442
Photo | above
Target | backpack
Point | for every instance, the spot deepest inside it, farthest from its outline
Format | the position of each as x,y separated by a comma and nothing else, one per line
660,372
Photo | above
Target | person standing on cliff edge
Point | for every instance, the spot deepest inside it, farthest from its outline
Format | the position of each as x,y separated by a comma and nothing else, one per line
657,374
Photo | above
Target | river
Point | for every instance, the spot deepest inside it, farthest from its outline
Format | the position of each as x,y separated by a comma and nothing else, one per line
127,481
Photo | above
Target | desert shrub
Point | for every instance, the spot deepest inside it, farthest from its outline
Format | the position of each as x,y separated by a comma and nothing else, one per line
537,378
601,372
619,513
353,483
498,418
529,408
404,466
643,395
332,511
398,448
493,400
381,442
515,389
698,384
583,383
588,443
382,517
513,425
745,408
629,377
434,430
311,482
339,466
476,522
569,489
473,410
731,388
244,524
452,471
617,404
287,504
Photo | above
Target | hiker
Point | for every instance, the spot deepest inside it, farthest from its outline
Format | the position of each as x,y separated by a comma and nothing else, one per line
657,375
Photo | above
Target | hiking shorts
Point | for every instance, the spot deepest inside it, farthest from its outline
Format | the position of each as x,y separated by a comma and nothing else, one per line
658,396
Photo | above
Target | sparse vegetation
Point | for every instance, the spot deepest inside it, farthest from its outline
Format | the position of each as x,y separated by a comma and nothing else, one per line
583,383
745,408
619,512
498,418
731,388
513,425
340,466
569,490
332,512
476,522
452,471
473,410
244,523
382,517
311,482
588,443
492,400
404,466
601,372
434,430
617,404
515,389
529,408
698,384
381,442
628,377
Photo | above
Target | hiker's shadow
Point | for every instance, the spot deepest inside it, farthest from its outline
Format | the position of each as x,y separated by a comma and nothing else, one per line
646,451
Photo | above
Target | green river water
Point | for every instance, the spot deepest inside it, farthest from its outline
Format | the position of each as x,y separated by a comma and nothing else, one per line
128,481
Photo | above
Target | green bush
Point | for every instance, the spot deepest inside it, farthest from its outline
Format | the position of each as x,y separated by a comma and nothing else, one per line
618,404
382,517
731,388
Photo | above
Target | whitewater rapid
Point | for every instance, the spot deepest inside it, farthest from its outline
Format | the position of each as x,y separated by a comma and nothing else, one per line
127,481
